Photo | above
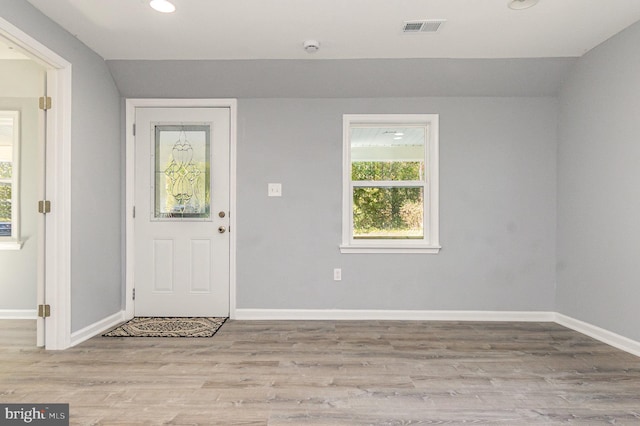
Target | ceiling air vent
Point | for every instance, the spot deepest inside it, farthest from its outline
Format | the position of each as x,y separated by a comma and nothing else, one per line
426,26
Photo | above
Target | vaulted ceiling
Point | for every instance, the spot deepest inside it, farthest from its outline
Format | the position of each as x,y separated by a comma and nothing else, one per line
346,29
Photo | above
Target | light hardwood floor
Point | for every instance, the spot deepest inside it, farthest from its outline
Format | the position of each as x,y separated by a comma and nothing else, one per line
327,372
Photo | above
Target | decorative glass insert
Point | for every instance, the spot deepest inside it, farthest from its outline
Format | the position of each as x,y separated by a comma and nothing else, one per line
8,121
182,172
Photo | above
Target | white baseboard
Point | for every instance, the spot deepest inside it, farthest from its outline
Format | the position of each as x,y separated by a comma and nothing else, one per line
97,328
605,336
18,313
390,315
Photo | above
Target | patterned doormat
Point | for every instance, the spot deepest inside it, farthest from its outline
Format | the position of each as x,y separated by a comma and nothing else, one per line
167,327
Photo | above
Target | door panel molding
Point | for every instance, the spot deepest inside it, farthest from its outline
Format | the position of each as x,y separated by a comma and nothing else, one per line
131,105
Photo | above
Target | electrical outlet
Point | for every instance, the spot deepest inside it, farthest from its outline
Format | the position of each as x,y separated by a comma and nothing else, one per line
337,274
274,190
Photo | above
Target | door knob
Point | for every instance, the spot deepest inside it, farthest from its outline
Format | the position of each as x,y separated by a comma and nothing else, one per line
222,229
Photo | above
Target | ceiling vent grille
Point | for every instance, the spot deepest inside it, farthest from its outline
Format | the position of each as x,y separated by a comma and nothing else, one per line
426,26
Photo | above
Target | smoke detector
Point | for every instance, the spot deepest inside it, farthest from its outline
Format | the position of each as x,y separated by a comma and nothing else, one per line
521,4
311,46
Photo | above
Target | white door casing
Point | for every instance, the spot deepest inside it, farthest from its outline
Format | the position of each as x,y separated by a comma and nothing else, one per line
181,263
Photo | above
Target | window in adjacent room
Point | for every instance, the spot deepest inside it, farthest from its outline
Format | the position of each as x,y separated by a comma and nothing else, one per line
390,183
9,191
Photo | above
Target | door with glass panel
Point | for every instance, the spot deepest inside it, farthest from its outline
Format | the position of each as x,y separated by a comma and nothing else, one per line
182,212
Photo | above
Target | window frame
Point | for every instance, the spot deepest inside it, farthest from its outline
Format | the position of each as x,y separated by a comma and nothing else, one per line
13,241
430,243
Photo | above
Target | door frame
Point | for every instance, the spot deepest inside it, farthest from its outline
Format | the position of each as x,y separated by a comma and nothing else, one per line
131,105
54,264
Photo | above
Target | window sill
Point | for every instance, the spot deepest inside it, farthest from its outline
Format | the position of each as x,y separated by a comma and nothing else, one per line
389,249
10,245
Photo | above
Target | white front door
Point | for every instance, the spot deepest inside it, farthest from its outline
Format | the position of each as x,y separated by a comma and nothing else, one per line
182,212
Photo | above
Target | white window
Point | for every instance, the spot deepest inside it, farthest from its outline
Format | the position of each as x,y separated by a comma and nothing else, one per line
9,174
390,184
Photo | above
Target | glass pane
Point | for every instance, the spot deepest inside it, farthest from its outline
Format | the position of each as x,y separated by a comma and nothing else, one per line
388,153
388,213
182,167
5,169
5,209
387,170
6,174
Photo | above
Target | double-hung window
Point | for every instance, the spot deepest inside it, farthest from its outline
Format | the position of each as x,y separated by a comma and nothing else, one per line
9,191
390,184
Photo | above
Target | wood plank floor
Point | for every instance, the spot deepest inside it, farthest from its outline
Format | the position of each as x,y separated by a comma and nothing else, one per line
327,372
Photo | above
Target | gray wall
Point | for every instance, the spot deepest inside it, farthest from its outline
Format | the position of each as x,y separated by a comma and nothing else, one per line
497,208
598,184
352,78
96,269
498,177
20,83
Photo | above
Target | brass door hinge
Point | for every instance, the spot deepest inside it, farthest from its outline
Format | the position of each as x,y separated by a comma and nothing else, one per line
44,311
44,102
44,206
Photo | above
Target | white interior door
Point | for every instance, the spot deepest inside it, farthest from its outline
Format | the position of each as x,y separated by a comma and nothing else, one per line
42,230
182,211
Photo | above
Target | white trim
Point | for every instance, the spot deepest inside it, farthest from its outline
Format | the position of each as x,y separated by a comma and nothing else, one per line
391,315
97,328
130,115
30,314
233,130
389,249
605,336
58,177
41,270
430,244
13,242
58,222
11,245
31,47
131,105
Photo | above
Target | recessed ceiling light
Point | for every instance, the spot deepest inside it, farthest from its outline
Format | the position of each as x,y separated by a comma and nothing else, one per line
163,6
521,4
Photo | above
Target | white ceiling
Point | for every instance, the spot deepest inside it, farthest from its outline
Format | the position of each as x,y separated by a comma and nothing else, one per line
276,29
7,51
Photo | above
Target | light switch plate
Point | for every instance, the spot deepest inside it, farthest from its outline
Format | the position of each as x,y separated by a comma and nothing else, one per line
275,190
337,274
